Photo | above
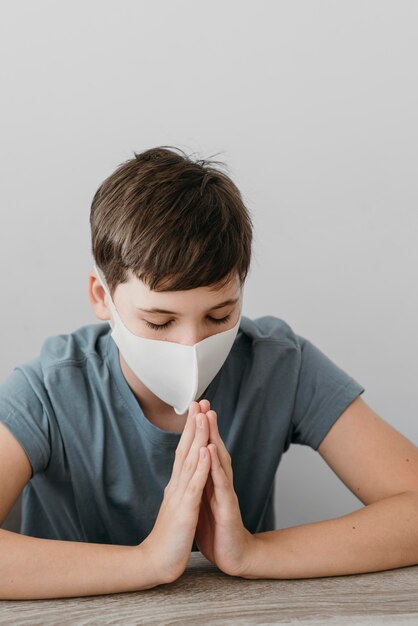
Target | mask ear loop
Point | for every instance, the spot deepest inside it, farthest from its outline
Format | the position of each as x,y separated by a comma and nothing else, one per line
102,281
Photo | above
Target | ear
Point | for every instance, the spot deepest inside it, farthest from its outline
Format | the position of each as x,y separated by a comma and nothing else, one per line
98,298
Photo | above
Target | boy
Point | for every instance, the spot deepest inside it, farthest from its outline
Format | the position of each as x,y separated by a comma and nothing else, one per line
113,431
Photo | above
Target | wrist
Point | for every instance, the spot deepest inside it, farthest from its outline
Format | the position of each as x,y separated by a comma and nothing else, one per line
256,555
268,555
147,568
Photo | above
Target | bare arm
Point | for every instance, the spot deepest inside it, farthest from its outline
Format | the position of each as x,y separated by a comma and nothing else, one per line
380,536
32,568
380,466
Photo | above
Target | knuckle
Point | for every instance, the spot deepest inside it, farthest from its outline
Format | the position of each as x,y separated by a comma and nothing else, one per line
227,455
193,489
203,433
188,464
224,482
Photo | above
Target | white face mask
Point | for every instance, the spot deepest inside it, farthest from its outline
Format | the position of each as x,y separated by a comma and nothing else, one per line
178,374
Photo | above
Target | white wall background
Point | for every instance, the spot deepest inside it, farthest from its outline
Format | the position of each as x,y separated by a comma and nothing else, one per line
312,105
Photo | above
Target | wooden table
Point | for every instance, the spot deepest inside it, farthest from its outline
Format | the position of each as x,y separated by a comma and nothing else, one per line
204,595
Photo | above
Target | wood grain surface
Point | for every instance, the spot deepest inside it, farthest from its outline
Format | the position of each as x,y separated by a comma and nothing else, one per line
204,595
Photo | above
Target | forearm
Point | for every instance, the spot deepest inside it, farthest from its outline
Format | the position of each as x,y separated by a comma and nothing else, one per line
380,536
32,568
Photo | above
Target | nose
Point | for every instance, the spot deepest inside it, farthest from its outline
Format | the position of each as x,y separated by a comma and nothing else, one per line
192,337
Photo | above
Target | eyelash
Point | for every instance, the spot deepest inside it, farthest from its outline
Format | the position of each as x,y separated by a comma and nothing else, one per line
223,320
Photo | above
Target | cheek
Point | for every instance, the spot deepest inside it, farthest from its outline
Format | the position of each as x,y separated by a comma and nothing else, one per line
135,326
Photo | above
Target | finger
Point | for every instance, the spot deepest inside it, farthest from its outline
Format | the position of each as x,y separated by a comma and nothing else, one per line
204,406
204,513
193,492
214,437
186,440
209,488
220,479
188,433
192,458
205,503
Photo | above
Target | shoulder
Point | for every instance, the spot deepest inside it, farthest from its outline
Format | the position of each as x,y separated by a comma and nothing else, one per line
266,330
85,345
85,342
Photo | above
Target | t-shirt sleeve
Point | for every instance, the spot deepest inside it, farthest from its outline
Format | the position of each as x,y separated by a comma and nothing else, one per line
23,413
323,392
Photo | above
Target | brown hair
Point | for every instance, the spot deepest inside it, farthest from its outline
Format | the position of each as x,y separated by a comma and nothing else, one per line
174,222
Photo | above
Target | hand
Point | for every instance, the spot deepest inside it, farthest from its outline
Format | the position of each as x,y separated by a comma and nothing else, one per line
220,534
169,544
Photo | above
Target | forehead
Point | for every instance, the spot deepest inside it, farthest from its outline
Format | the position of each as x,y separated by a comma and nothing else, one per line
140,293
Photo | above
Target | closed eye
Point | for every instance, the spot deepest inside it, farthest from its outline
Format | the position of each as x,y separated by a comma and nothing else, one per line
222,320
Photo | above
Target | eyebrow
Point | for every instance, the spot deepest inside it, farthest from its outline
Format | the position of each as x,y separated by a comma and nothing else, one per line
217,306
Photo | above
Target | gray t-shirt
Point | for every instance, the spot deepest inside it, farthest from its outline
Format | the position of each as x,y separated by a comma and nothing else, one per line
100,466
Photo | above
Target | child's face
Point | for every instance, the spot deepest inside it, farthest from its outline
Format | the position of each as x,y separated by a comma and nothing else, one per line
194,314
